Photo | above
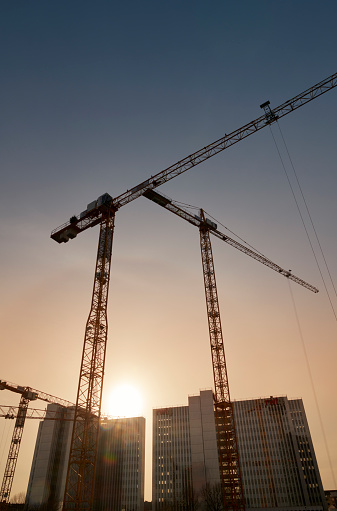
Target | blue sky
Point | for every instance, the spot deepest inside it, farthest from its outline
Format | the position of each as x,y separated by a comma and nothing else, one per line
98,97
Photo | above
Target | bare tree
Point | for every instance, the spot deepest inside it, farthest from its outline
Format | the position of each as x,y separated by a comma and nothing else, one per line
212,497
19,498
188,500
43,507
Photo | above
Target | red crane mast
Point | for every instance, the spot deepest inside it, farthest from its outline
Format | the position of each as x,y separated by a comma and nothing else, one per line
79,490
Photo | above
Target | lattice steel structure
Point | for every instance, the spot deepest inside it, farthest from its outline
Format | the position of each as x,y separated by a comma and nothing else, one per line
194,159
95,214
79,491
229,463
13,452
169,204
27,394
13,412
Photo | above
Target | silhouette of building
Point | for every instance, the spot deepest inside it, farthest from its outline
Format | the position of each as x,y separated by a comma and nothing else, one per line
185,455
119,481
277,458
50,460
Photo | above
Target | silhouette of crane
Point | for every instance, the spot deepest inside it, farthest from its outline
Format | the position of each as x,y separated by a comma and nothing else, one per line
27,395
229,463
82,460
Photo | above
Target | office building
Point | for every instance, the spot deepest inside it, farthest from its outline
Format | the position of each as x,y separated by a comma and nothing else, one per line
119,482
120,471
185,455
50,461
277,458
278,463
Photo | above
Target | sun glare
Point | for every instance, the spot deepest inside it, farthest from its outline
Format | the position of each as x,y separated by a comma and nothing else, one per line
125,401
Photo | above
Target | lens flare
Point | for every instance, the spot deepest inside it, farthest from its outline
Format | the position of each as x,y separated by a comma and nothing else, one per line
125,401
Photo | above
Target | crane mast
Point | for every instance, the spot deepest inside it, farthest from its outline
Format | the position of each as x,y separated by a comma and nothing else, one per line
79,489
82,459
14,449
229,464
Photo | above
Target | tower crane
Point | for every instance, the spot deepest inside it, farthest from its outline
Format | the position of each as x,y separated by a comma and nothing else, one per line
229,463
27,395
82,459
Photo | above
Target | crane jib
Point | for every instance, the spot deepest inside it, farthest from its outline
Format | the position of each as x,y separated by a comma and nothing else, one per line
228,140
207,224
93,218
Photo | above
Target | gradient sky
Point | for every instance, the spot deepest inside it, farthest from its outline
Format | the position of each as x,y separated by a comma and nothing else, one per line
98,96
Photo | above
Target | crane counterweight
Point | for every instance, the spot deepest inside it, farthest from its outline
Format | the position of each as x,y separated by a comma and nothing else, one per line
90,217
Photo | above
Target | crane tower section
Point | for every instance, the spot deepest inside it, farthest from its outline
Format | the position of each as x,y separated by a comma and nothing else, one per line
14,448
82,459
229,464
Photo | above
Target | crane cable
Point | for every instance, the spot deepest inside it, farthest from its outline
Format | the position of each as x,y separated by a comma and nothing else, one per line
312,382
325,286
307,210
302,219
190,206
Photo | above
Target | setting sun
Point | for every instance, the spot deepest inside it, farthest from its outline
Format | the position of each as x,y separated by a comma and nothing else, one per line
125,401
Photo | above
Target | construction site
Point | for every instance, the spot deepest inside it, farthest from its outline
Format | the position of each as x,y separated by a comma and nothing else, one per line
187,325
79,489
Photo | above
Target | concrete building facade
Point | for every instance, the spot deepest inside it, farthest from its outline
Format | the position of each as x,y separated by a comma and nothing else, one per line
277,457
185,456
50,460
278,463
119,482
